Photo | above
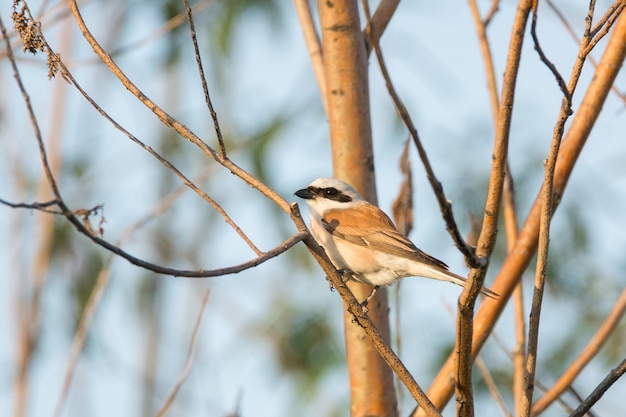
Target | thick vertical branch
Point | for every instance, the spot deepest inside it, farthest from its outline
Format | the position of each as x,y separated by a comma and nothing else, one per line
345,62
487,237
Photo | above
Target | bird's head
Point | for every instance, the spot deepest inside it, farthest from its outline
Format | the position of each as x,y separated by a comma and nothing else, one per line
328,193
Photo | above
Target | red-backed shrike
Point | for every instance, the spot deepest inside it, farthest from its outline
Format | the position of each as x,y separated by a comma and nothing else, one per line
362,241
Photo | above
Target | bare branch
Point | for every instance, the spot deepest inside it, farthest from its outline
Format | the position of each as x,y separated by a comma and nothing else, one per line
598,340
495,5
492,386
168,120
570,30
313,45
483,41
379,21
189,361
611,13
603,387
444,204
205,88
605,28
544,58
488,233
34,206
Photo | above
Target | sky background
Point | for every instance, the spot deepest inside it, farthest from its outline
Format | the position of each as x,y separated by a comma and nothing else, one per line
432,53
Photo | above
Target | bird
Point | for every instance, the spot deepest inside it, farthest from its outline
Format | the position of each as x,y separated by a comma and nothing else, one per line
363,243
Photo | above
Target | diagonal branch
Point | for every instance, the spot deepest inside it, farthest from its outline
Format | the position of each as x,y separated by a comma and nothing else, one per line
444,204
168,120
378,22
190,356
597,393
205,88
598,340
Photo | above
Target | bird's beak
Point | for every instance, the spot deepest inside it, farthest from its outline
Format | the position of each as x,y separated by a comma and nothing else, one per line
305,193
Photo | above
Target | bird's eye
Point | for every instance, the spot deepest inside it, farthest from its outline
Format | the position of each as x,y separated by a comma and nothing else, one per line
330,192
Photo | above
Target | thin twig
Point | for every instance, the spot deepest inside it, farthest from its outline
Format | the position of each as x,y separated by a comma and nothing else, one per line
444,204
487,238
168,120
485,49
546,211
34,206
613,11
189,361
495,4
605,28
492,386
604,332
544,58
205,88
313,45
574,36
378,23
599,391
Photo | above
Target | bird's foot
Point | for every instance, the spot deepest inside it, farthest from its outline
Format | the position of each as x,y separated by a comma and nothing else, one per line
364,303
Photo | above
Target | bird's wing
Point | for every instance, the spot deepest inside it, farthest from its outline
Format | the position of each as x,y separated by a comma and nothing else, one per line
369,226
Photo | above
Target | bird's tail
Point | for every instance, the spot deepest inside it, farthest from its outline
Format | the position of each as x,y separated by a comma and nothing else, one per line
445,275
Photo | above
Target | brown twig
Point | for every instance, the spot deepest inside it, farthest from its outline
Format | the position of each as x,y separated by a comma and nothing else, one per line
511,229
495,4
485,49
487,237
599,391
611,13
598,340
444,204
376,26
570,30
189,361
313,45
205,88
168,120
81,227
533,33
546,211
492,386
603,29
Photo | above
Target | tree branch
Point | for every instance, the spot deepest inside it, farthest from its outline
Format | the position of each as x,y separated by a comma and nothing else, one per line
597,393
598,340
444,204
189,361
205,88
376,25
313,45
487,237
